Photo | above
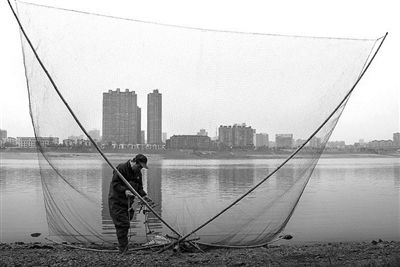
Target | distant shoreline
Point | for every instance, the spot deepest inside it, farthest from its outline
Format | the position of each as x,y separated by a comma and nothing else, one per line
184,154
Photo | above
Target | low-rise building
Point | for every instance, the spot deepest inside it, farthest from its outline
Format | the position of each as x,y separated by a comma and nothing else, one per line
95,134
284,140
336,144
396,140
189,142
31,142
11,141
315,142
68,142
381,144
299,142
83,142
202,132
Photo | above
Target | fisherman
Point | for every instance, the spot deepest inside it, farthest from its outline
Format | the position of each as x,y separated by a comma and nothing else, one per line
120,198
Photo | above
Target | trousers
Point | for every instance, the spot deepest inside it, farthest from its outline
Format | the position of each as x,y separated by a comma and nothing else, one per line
121,219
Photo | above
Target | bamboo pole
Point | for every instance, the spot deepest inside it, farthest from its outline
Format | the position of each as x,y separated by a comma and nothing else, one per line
81,126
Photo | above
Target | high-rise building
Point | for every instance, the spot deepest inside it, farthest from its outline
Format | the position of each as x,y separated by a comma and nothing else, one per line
225,135
242,136
396,139
154,118
139,126
120,117
262,140
284,140
236,136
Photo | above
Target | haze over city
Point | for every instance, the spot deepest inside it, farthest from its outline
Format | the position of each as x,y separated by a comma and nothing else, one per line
203,132
372,112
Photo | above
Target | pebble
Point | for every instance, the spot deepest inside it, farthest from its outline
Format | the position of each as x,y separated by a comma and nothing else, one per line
315,254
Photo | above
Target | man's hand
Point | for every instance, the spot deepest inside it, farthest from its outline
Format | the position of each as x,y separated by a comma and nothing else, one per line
128,193
150,201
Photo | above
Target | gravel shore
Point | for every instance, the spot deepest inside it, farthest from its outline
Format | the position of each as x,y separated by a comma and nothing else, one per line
375,253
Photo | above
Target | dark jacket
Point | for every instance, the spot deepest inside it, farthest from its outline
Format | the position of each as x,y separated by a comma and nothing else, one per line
133,175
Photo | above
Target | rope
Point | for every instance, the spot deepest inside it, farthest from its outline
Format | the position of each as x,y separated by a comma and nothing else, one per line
188,27
129,217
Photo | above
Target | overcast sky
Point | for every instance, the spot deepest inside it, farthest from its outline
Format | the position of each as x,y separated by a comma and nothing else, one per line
372,112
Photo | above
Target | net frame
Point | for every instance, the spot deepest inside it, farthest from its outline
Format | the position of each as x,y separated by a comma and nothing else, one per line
338,109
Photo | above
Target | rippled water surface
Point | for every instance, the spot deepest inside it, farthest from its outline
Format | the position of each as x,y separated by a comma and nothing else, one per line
346,198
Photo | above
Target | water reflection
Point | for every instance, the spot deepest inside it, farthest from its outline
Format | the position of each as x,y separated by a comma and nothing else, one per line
107,223
396,179
153,178
285,178
347,199
21,201
106,174
235,180
188,181
154,184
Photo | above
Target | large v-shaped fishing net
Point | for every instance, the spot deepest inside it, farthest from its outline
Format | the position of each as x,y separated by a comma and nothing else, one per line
276,84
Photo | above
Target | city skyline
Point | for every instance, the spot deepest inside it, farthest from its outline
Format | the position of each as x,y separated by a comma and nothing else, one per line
373,109
120,107
257,139
121,122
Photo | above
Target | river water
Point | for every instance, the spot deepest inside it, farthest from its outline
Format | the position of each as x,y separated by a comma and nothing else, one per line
346,199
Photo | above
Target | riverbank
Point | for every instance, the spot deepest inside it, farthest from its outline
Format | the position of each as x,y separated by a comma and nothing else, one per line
193,155
375,253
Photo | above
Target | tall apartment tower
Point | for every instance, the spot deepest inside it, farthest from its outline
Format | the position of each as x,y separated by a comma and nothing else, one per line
154,118
139,127
121,121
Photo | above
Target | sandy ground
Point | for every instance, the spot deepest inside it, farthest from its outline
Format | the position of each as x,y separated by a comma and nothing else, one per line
375,253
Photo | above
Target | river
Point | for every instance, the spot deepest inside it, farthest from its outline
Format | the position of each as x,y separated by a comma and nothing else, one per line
346,199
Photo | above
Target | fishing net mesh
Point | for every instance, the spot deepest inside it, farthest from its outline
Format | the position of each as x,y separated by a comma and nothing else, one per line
276,84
